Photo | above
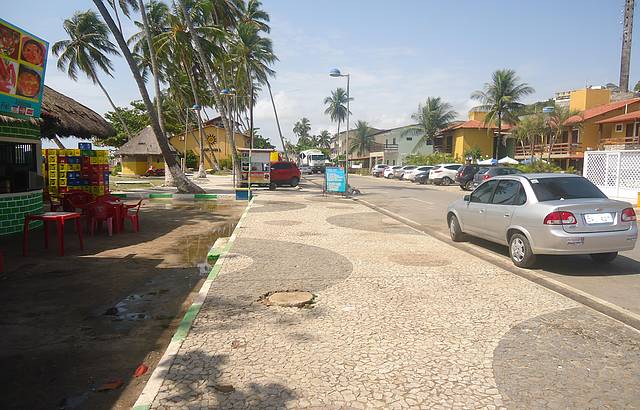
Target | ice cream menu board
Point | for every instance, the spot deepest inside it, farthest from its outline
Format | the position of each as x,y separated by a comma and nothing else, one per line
23,59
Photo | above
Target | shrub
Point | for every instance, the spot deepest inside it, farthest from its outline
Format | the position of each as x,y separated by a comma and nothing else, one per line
225,163
543,166
430,159
116,169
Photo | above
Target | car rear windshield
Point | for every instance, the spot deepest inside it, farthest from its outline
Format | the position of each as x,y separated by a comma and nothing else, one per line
554,189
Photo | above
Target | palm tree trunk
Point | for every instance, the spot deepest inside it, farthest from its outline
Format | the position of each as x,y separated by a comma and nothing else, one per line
182,183
275,112
201,171
226,118
499,138
115,109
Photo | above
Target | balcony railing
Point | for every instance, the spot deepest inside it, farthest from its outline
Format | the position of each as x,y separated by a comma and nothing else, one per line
558,150
627,142
377,147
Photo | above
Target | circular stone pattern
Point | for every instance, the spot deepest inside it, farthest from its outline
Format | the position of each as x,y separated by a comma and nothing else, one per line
574,358
417,259
290,299
370,222
283,222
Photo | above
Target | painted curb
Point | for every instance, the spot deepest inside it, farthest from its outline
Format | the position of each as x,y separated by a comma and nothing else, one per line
156,379
161,195
602,306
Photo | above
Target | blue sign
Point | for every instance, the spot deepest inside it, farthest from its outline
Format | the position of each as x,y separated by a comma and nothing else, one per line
335,179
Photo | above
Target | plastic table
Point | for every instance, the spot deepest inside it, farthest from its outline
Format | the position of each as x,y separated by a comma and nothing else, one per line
59,218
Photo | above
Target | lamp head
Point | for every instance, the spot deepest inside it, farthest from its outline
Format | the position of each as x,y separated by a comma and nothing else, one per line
334,72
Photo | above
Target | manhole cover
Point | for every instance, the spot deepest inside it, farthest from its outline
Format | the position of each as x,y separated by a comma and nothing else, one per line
288,298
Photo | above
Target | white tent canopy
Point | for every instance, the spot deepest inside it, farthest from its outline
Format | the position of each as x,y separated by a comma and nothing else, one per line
489,161
508,160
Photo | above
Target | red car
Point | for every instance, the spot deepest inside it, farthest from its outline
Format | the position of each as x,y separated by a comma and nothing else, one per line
284,173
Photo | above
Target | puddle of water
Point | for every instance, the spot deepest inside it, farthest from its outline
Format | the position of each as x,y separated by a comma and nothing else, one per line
195,249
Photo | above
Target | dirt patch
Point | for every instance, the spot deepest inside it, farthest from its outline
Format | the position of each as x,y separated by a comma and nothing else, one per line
418,259
73,324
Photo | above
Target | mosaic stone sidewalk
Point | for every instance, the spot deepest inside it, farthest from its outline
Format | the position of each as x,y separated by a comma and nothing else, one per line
399,320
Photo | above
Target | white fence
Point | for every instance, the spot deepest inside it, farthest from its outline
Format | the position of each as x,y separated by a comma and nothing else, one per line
616,173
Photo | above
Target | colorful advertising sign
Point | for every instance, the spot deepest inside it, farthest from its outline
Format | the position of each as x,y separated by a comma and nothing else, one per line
23,59
336,180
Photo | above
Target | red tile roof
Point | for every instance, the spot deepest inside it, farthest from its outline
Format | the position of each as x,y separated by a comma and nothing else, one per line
628,117
599,110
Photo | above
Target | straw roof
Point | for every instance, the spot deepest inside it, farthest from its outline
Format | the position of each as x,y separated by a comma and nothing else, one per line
143,143
63,116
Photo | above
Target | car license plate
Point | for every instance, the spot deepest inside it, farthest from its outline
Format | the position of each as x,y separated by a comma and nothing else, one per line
592,219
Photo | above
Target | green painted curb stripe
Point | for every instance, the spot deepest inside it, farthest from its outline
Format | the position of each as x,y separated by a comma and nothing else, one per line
214,272
187,321
142,407
120,195
206,196
160,195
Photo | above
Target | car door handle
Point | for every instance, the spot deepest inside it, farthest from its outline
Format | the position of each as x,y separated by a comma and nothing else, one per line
482,211
506,215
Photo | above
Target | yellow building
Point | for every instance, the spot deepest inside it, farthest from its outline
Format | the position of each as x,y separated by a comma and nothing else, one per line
215,142
140,153
463,136
598,124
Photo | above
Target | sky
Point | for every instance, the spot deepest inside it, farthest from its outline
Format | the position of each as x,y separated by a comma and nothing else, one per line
398,53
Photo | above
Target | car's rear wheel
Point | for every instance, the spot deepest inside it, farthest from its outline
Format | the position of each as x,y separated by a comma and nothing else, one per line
468,186
604,257
294,181
272,186
446,181
520,251
454,230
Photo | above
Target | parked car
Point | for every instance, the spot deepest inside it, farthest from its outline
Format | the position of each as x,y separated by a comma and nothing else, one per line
444,174
378,169
399,173
422,177
411,174
465,174
485,173
284,173
534,214
305,169
390,172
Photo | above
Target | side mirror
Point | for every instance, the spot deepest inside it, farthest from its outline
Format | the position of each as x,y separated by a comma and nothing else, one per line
467,198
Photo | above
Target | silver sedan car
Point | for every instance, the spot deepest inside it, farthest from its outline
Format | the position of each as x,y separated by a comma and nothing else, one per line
559,214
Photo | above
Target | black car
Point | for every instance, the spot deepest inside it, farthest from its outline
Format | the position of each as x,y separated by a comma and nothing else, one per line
422,177
485,173
465,175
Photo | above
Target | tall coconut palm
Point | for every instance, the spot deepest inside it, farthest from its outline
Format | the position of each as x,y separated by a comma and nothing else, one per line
125,5
337,107
430,118
87,51
302,127
253,14
182,183
501,99
323,140
363,141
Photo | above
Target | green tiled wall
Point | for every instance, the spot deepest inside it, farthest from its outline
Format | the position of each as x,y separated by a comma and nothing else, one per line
20,130
14,208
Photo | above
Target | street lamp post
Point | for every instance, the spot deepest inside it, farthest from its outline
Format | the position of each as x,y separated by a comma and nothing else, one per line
336,73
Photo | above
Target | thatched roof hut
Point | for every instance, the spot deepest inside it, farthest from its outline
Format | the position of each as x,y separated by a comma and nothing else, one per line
143,143
63,116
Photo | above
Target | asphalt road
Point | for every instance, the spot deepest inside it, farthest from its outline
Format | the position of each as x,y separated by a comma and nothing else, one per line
617,283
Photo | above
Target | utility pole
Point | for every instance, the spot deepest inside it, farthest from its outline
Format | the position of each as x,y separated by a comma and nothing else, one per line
625,58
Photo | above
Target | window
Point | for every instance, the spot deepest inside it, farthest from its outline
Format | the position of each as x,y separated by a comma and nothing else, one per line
483,193
506,192
317,157
386,141
394,141
387,162
521,198
619,127
409,138
554,189
18,167
394,162
453,167
281,165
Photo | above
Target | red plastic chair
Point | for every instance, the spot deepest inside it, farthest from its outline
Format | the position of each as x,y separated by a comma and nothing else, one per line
108,198
101,213
76,200
133,214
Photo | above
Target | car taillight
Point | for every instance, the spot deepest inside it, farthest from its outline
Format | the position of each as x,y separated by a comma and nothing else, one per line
560,218
437,170
486,176
628,215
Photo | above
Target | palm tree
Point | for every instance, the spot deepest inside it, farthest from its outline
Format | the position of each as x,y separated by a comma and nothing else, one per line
528,130
86,50
501,99
182,183
337,107
124,5
302,128
323,140
430,118
252,13
556,124
363,141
